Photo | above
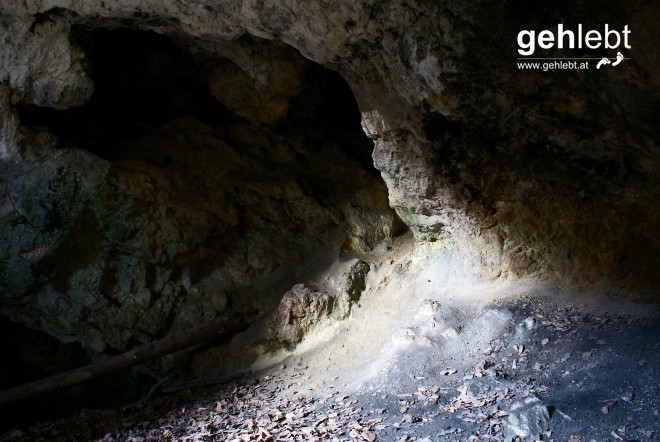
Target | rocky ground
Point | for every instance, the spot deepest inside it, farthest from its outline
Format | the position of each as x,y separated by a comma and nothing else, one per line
517,368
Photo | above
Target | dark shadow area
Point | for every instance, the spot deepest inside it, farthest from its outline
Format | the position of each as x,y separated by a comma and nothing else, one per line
205,194
142,80
30,355
327,102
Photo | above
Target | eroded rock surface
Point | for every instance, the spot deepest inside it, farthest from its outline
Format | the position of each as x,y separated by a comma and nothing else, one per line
146,212
523,172
303,309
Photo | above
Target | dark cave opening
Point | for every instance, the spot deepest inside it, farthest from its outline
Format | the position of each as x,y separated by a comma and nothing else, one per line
143,80
148,89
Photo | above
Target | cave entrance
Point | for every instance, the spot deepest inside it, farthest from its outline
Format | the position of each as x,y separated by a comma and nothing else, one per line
143,80
196,183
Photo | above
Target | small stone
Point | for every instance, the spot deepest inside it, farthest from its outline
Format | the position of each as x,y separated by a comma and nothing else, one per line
449,333
411,419
425,342
628,396
527,418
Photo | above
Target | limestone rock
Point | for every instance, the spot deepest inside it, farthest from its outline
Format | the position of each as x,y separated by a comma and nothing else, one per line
303,309
264,77
306,310
122,241
527,418
348,280
522,172
40,63
300,310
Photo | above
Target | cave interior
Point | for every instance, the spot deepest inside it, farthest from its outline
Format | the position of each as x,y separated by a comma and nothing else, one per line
492,236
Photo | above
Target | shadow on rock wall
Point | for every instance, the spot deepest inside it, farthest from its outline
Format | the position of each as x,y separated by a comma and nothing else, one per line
155,208
211,168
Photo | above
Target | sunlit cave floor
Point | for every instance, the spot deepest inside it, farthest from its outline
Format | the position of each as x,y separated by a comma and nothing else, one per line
426,357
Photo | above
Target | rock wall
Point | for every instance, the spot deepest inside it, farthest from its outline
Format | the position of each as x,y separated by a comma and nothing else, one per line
155,207
551,175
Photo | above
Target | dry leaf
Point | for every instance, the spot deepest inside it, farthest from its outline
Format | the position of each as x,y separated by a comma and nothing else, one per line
368,436
539,366
264,435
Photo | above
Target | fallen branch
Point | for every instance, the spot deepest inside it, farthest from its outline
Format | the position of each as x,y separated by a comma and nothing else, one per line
169,344
196,383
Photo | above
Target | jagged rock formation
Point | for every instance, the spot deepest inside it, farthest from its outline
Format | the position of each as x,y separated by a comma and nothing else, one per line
302,308
154,209
189,207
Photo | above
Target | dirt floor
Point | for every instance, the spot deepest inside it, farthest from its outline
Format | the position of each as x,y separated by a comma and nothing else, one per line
424,359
